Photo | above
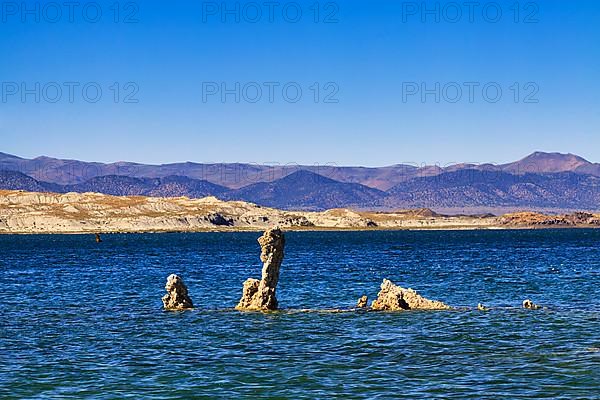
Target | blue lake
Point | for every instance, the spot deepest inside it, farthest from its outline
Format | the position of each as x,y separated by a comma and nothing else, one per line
84,320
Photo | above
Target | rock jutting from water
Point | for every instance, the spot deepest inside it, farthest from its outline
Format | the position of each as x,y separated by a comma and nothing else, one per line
261,295
530,305
177,297
362,302
396,298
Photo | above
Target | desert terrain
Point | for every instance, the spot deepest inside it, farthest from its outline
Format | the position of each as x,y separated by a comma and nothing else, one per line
32,212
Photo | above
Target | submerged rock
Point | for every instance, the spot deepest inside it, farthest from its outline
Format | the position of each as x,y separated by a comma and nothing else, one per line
362,302
530,305
395,298
177,294
261,295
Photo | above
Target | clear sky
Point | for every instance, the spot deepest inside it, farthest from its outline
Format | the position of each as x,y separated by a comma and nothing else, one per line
361,67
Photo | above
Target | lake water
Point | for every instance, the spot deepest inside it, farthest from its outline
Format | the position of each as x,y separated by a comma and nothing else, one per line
84,320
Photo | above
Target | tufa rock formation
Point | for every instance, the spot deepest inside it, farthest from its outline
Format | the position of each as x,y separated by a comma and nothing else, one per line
362,302
261,295
530,305
98,238
481,307
395,298
177,294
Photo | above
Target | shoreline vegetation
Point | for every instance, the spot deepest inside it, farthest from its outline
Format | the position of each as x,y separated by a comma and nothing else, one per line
84,213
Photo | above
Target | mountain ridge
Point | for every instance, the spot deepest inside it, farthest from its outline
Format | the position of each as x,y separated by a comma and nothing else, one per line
305,190
540,162
238,175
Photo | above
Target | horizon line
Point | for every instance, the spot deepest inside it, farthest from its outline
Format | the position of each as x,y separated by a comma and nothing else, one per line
288,164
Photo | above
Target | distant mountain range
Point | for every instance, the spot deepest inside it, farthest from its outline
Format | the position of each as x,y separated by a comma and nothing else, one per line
540,180
307,190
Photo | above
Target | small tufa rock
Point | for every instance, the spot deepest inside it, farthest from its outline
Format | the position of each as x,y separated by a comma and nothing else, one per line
98,238
177,294
249,290
261,295
395,298
530,305
362,302
481,307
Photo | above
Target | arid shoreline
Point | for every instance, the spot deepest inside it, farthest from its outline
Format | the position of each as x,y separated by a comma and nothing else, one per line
74,213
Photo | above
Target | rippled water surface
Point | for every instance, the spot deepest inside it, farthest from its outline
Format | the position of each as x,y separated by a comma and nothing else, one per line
84,320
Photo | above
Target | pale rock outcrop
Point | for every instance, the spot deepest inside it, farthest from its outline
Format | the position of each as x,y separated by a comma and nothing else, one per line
396,298
177,297
261,295
362,302
26,212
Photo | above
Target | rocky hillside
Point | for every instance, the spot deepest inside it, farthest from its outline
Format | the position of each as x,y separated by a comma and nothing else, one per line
170,186
18,181
471,188
558,182
306,190
29,212
303,190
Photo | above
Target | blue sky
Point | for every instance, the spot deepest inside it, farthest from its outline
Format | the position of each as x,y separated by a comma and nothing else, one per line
366,62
